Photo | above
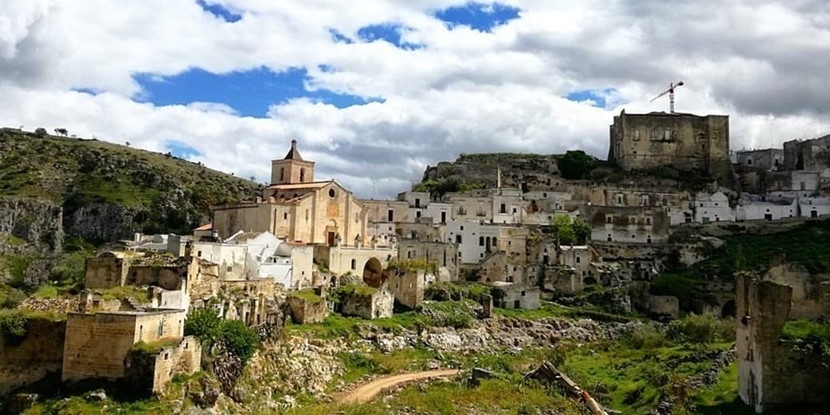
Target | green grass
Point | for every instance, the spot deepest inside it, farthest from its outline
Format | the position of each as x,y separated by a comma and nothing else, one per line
154,346
307,295
802,329
46,291
119,293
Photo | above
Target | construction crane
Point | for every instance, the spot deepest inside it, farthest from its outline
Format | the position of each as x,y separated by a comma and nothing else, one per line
669,91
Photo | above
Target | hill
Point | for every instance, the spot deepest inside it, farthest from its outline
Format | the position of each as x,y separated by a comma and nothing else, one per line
109,191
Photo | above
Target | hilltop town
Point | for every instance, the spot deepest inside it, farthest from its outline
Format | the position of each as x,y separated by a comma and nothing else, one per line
604,247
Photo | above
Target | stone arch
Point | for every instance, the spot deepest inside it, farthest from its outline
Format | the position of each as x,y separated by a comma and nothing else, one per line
373,273
729,309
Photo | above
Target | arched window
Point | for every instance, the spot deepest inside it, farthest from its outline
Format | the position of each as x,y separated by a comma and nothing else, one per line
302,175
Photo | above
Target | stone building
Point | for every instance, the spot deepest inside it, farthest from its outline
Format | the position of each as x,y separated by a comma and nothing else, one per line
767,159
807,154
97,345
296,208
408,286
443,254
627,224
367,302
518,296
682,141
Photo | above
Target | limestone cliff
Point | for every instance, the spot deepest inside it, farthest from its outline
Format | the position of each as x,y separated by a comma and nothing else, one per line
106,191
481,170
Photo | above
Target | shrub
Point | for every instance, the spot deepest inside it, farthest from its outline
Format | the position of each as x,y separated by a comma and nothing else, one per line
646,336
238,339
204,324
13,326
701,329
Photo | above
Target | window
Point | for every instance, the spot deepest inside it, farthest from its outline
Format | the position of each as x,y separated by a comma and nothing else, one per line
803,186
418,214
667,135
648,221
480,241
577,259
609,218
417,202
285,215
443,217
748,162
503,208
354,264
609,237
458,240
636,135
230,268
282,173
306,215
461,227
390,215
514,210
644,200
302,175
161,328
199,254
632,220
619,199
332,193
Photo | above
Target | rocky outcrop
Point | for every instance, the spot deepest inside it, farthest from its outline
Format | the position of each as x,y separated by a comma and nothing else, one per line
109,191
37,222
530,170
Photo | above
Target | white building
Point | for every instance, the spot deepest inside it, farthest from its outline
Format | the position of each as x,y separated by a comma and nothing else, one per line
713,208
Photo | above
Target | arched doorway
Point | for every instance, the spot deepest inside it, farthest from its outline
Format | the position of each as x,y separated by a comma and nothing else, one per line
373,273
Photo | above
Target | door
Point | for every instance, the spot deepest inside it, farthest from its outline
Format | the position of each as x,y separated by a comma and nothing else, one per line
331,238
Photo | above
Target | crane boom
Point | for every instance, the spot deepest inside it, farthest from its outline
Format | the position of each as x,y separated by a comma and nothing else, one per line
669,91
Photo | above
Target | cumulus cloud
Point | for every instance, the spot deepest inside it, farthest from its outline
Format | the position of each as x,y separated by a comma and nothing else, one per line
461,90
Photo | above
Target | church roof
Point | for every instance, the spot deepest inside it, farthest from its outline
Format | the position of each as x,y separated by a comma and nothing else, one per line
293,154
312,185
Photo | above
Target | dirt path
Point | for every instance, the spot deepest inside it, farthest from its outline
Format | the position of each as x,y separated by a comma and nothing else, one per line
365,393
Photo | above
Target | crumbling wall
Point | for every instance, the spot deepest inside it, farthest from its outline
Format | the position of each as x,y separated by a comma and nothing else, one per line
772,373
304,311
39,353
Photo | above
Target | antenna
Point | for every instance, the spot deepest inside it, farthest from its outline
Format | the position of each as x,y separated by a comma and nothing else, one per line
669,91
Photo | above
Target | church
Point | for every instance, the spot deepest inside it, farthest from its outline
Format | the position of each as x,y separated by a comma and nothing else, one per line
296,208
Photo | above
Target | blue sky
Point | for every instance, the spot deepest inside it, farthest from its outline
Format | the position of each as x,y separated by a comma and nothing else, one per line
251,92
404,84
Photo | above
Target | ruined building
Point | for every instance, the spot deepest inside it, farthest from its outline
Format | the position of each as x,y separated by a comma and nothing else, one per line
683,141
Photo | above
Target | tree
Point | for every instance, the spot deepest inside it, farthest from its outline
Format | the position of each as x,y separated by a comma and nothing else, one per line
570,230
576,164
41,131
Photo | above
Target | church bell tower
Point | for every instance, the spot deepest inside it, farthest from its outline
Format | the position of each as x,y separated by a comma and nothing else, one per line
292,169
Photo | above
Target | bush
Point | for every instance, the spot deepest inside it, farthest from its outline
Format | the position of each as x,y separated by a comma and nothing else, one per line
230,335
13,326
701,329
646,336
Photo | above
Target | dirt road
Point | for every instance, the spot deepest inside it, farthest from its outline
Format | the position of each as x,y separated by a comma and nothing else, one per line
365,393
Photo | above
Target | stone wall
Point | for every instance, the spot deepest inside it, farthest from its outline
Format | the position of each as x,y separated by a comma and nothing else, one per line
771,372
304,311
106,271
39,353
380,304
150,372
408,287
96,344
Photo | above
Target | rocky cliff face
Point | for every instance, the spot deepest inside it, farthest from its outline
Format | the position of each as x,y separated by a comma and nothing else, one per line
106,191
530,170
38,222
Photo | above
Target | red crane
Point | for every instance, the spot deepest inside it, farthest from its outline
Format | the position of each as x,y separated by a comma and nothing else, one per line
669,91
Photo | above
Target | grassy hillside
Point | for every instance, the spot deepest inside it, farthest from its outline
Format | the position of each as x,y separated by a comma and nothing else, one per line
91,178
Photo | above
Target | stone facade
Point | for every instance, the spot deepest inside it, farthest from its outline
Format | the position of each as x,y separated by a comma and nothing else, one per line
771,372
306,311
767,159
516,296
807,154
97,344
443,254
682,141
369,304
150,372
34,357
408,287
627,224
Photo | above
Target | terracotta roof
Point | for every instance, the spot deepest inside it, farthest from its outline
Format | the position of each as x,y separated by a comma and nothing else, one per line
207,227
293,154
312,185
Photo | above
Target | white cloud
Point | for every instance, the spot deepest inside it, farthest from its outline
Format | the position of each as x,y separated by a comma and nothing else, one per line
761,62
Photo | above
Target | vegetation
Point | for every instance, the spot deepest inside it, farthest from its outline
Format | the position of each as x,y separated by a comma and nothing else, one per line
231,336
702,330
119,293
307,295
155,346
438,188
77,173
445,291
408,265
576,164
570,231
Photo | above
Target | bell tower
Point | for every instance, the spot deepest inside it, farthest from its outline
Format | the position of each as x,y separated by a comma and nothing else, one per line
292,169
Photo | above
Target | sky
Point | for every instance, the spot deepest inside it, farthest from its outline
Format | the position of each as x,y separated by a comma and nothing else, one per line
375,91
